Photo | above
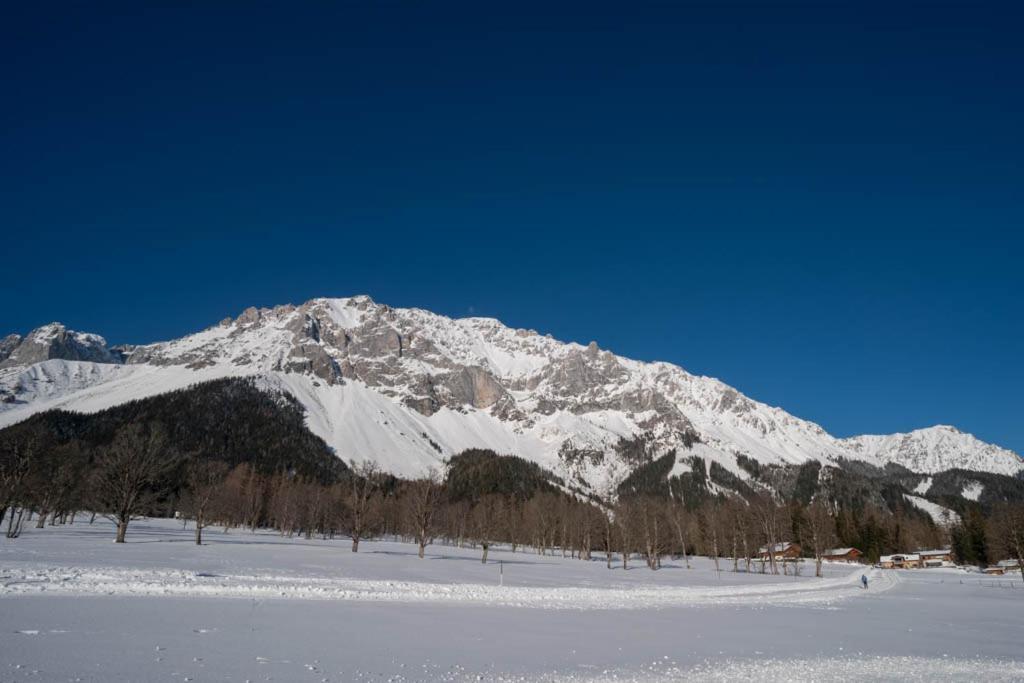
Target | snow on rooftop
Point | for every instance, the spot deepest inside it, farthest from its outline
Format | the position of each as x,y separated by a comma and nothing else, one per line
777,548
900,557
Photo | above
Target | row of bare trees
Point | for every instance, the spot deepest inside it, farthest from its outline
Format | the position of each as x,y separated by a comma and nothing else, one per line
125,480
363,505
1006,533
141,473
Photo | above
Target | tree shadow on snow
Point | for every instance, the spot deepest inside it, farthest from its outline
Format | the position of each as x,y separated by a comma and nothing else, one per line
455,558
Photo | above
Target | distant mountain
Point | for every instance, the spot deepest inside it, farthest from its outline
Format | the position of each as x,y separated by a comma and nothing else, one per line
936,449
408,388
54,341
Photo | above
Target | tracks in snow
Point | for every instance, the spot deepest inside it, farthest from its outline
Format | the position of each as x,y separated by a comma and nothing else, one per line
109,581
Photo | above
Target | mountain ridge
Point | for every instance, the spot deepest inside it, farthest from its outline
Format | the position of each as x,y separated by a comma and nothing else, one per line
407,387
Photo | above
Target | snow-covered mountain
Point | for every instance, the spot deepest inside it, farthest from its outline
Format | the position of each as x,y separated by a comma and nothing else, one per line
407,388
935,449
55,341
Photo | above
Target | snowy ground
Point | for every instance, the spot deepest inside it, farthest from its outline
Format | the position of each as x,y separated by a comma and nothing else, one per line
75,606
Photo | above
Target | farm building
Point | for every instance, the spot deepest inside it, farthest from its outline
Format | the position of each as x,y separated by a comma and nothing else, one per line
781,551
901,561
936,558
842,555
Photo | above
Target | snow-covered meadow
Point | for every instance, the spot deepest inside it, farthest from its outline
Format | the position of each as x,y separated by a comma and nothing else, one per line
75,606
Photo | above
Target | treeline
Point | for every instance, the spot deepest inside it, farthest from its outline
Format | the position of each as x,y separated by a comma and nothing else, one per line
231,454
982,539
141,457
232,420
482,500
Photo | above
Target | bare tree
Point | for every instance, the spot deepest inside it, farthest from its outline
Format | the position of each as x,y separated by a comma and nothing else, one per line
486,518
625,522
15,466
40,484
649,516
608,526
591,520
748,534
1006,532
421,499
769,519
714,520
317,508
67,484
732,529
680,522
231,497
456,516
205,479
283,507
128,475
820,528
542,520
513,522
253,496
53,480
361,502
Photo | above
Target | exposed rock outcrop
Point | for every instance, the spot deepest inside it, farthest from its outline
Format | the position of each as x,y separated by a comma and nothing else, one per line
55,341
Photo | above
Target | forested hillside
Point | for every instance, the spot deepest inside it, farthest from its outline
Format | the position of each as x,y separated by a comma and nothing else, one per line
230,420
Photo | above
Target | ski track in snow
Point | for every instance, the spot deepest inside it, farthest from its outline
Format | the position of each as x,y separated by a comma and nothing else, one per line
108,581
263,607
859,668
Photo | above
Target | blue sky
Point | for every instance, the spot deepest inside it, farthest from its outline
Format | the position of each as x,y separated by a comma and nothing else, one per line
820,205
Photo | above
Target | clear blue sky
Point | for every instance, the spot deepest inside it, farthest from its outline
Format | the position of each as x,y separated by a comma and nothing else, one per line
820,206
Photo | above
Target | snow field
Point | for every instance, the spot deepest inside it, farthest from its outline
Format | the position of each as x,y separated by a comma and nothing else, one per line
259,607
161,560
35,580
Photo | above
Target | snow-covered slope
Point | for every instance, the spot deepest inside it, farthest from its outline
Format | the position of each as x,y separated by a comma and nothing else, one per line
938,513
407,388
936,449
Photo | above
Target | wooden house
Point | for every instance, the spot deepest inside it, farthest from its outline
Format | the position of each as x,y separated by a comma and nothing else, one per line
900,561
936,558
784,551
851,555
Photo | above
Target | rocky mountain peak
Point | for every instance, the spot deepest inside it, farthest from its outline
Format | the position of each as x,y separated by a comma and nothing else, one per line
938,448
8,344
407,387
54,340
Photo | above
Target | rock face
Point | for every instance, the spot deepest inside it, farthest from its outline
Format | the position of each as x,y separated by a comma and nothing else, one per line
55,341
407,387
8,344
